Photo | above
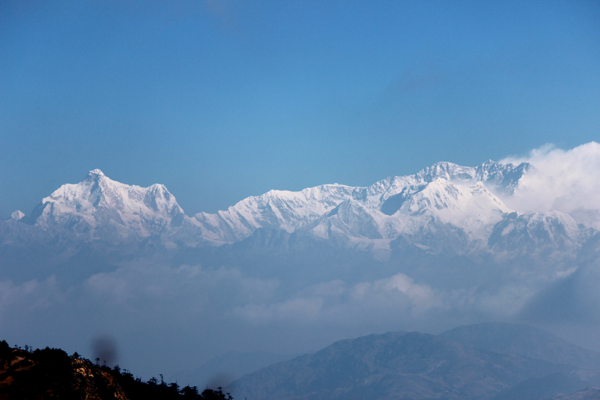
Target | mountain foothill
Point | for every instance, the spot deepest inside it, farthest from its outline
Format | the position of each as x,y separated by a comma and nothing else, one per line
493,361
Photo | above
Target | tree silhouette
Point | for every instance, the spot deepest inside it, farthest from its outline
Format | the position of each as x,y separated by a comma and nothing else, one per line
38,373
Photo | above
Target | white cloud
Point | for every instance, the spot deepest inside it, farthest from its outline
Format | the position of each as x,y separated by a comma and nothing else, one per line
213,310
31,296
563,180
194,291
338,303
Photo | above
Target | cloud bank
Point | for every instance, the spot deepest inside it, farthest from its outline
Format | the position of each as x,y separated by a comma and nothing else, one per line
562,180
177,317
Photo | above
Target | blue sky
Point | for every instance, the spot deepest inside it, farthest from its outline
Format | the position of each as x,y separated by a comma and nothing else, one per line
220,100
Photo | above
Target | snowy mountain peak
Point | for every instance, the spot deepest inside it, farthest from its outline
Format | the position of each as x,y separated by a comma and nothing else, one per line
445,170
471,207
95,173
442,209
537,233
278,209
448,192
17,215
502,176
99,206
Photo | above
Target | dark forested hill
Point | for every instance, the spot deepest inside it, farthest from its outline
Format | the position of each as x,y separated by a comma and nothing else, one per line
52,374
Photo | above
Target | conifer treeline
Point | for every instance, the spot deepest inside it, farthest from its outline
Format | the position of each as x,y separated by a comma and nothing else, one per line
136,388
27,373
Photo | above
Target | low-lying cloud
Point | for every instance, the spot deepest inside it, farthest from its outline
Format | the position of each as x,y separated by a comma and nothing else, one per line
562,180
340,303
176,317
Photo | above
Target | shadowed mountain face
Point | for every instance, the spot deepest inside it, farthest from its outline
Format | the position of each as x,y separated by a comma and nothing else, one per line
525,341
395,365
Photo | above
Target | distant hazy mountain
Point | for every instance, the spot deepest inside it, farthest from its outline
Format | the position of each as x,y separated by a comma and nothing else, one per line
411,366
224,369
587,394
525,341
542,388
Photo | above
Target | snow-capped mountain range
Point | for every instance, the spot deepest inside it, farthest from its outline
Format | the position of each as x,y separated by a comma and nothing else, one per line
444,202
384,210
99,206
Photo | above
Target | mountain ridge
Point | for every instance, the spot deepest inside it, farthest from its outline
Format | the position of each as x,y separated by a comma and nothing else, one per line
443,210
409,365
99,207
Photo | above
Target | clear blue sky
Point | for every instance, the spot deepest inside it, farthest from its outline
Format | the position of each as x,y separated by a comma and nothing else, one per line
220,100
